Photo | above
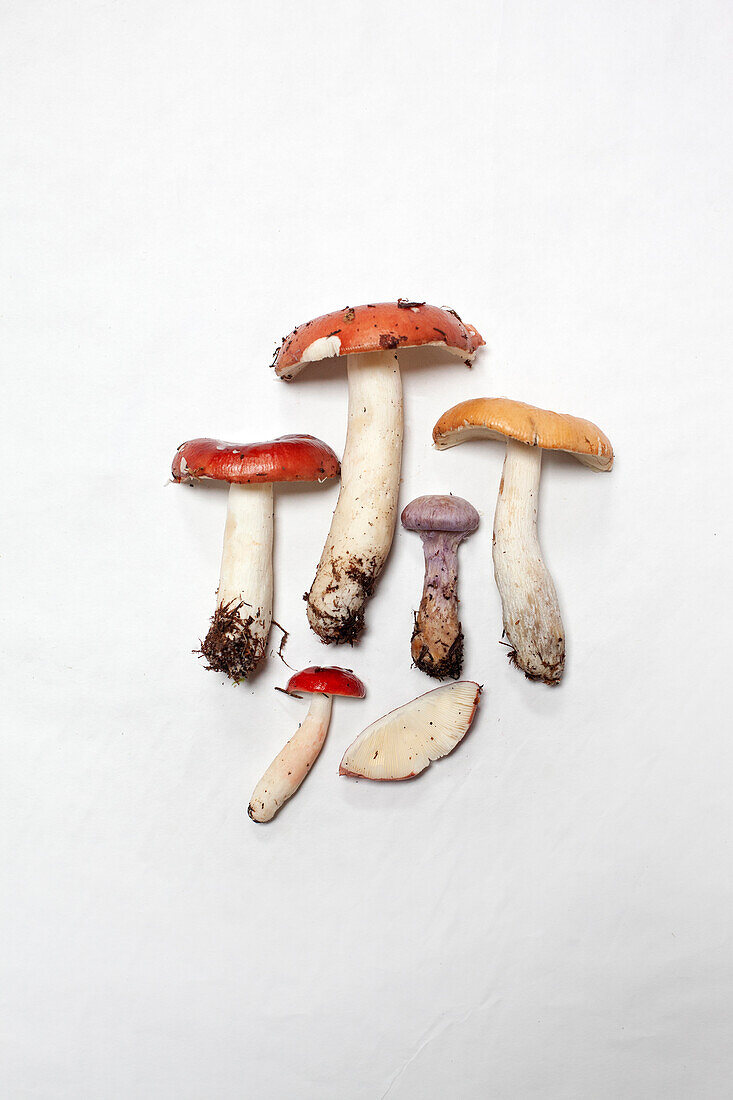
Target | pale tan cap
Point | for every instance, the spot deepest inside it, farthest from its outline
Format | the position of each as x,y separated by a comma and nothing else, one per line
501,418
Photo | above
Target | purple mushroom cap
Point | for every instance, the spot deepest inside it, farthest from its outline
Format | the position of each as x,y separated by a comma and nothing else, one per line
440,513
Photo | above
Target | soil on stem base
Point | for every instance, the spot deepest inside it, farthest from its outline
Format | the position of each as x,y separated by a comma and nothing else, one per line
345,627
233,645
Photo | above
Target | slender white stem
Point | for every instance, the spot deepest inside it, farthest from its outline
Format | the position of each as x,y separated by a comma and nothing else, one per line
290,767
366,512
532,620
238,635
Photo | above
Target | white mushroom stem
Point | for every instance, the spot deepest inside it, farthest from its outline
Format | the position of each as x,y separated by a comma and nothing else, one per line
246,560
532,620
238,635
291,766
366,512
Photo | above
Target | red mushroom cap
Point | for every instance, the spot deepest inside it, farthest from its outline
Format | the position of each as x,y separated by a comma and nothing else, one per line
327,681
289,458
380,327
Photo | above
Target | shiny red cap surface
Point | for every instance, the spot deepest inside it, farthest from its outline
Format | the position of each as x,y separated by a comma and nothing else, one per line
289,458
327,681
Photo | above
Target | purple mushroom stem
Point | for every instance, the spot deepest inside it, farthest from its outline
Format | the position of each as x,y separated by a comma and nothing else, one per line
437,638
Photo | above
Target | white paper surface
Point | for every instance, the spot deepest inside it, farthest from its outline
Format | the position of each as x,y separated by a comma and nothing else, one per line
546,912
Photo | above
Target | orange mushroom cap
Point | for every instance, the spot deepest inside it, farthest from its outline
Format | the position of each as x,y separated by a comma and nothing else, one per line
383,326
502,418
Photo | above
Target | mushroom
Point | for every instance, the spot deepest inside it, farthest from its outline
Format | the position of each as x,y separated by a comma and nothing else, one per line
437,639
405,741
532,621
366,513
240,626
290,767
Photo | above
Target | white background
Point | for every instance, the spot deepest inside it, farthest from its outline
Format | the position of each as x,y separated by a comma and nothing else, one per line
545,913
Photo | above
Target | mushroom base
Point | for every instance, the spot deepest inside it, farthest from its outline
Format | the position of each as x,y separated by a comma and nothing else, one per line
347,622
440,657
234,644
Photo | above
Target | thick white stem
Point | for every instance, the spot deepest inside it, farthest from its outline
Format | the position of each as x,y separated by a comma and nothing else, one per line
246,560
238,635
532,620
366,512
290,767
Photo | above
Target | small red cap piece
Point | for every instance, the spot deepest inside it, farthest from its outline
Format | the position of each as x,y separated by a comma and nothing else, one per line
327,681
380,327
289,458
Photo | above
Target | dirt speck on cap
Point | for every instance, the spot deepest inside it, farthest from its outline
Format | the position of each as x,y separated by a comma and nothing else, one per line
388,341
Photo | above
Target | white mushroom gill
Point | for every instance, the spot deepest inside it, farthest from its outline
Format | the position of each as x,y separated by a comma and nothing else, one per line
364,520
404,742
532,620
291,766
238,635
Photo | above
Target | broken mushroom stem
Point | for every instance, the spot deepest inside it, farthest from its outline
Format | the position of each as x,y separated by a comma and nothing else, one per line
364,520
241,624
290,767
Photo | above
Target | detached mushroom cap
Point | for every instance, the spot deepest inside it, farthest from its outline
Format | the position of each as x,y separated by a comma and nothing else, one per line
404,742
440,513
288,458
384,326
502,418
329,680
